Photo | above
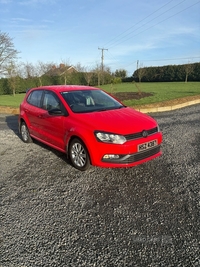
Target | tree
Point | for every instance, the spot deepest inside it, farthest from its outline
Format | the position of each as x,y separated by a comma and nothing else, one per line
79,67
7,52
27,70
107,75
140,73
88,74
13,76
97,71
121,73
188,69
41,69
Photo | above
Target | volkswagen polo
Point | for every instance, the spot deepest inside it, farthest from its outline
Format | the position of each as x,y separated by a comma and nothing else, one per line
89,125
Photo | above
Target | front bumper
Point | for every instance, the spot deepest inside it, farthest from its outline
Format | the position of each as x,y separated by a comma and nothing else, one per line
126,155
135,157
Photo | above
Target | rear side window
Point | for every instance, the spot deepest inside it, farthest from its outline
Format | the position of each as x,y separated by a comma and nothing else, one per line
35,98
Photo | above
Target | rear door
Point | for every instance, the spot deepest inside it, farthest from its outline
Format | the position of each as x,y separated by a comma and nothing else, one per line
33,111
52,126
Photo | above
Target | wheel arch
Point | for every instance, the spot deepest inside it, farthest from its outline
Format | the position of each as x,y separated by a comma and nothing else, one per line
72,137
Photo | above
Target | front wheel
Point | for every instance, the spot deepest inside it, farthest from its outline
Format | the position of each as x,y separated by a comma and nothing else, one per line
25,135
78,155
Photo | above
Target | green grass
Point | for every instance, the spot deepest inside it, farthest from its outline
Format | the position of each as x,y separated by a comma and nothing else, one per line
161,92
11,101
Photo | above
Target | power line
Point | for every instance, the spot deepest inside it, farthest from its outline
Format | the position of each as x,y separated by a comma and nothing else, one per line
154,24
122,36
168,59
134,61
153,20
156,60
138,22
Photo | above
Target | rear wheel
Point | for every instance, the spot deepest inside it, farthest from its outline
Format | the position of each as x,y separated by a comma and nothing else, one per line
25,135
78,155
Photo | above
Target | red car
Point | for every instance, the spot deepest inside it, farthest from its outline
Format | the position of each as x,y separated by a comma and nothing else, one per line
89,125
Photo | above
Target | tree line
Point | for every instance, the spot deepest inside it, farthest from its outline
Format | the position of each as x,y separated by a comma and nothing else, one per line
170,73
23,76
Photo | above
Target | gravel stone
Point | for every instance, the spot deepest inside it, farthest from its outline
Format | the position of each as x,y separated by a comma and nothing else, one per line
54,215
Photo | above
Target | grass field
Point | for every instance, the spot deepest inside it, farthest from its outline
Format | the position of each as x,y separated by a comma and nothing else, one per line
161,92
10,100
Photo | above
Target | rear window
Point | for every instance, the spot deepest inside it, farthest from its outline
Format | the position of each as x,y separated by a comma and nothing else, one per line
35,97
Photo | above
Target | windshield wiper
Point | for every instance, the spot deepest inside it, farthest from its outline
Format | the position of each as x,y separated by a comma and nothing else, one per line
102,109
111,108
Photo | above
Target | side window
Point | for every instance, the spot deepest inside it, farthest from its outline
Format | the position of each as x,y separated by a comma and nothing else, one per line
35,98
50,101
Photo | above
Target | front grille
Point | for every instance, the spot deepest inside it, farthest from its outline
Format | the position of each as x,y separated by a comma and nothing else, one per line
123,159
143,155
139,134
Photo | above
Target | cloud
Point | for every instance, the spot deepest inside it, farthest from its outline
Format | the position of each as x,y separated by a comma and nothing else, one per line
184,31
35,2
20,20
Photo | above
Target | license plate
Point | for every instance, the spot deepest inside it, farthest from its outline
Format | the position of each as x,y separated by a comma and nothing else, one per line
147,145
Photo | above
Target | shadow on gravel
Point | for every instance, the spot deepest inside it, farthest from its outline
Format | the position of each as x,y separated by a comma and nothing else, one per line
12,123
59,154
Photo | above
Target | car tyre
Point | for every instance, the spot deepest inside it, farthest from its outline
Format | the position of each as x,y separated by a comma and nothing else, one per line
25,135
79,155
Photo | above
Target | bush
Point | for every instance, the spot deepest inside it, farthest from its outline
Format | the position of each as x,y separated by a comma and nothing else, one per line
117,80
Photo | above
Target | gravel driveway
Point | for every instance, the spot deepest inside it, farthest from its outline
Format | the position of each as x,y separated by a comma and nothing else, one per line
54,215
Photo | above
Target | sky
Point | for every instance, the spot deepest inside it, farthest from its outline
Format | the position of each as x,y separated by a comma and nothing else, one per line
128,33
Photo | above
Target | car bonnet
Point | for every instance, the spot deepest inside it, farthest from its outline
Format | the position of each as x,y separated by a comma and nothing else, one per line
122,121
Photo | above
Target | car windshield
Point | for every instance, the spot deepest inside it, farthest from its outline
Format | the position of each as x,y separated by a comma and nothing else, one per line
82,101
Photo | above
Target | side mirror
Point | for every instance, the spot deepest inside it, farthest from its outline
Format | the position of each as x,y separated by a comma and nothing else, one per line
56,111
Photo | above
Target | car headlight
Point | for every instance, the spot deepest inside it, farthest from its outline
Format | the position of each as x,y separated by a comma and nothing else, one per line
110,138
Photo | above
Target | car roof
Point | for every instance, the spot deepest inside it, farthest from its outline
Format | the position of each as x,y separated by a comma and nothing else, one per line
63,88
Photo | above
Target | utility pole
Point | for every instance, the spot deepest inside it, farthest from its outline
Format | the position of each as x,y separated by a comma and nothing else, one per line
137,64
102,66
137,71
